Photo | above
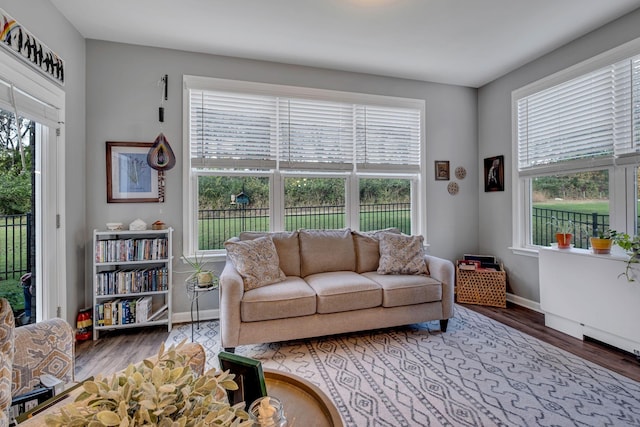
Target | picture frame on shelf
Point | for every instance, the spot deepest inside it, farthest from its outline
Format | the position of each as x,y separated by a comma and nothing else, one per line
494,174
130,179
442,170
248,375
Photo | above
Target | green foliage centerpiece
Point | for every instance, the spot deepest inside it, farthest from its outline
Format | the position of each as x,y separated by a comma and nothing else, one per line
164,392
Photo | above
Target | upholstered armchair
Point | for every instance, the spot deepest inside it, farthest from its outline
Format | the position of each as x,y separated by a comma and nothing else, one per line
29,351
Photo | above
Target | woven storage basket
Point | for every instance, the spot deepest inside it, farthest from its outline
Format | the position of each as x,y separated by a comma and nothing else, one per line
482,287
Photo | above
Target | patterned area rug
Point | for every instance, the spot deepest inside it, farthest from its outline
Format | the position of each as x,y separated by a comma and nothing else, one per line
478,373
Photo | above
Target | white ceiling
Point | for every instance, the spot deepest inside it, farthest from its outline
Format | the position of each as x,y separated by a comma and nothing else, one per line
462,42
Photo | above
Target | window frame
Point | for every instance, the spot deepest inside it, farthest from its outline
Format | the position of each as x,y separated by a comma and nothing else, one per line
276,203
622,171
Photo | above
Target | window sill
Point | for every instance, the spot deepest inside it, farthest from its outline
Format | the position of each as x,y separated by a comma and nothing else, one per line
616,252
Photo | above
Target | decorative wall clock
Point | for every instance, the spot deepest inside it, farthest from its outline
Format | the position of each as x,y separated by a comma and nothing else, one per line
461,172
453,188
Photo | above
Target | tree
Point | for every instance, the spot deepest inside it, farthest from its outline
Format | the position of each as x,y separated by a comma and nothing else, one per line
16,158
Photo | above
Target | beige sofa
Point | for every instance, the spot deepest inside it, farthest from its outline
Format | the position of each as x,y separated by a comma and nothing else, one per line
332,286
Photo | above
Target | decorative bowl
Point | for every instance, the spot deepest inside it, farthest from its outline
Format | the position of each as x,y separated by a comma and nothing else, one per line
114,226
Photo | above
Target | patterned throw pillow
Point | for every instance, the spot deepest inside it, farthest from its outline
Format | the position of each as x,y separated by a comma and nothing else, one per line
6,357
401,254
256,260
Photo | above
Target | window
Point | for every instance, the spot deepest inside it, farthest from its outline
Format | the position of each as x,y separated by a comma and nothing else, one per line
270,157
577,142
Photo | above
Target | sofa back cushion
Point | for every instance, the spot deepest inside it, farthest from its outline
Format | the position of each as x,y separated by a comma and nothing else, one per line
368,248
287,246
326,250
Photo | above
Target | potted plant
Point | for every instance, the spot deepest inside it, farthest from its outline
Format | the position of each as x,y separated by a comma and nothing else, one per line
601,241
161,392
631,244
563,230
203,278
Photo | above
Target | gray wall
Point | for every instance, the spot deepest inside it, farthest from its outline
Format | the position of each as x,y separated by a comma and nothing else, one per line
48,25
494,136
122,105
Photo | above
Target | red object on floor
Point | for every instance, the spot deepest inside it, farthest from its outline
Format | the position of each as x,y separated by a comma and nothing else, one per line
84,324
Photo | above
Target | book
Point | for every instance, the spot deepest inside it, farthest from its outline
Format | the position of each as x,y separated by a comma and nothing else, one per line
468,264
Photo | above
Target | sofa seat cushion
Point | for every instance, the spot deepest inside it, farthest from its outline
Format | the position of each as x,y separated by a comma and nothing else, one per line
399,290
292,297
344,291
326,250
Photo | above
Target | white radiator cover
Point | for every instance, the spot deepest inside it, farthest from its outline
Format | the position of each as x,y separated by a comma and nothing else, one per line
582,295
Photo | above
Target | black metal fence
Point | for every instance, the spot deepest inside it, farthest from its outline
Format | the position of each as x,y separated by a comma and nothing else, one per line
14,241
215,226
584,226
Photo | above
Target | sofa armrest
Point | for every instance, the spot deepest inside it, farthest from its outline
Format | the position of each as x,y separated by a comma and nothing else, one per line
231,292
45,347
443,270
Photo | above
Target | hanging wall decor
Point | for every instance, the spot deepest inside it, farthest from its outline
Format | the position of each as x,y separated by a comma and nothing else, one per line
494,173
442,170
160,156
130,179
20,42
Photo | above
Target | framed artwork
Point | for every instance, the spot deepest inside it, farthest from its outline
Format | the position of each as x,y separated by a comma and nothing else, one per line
248,375
130,179
494,173
442,170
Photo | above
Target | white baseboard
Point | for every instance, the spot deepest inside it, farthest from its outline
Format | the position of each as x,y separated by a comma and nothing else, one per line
185,317
532,305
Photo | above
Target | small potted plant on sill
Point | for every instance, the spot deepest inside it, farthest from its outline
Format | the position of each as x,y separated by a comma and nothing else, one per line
563,230
202,277
602,241
631,244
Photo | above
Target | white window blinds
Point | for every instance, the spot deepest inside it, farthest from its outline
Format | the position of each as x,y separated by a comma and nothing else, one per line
28,107
388,136
589,117
238,130
229,130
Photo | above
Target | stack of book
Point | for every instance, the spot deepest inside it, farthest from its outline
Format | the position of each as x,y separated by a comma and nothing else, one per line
479,263
124,311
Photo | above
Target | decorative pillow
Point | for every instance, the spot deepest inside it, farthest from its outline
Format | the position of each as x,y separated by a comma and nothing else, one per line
368,248
287,247
256,260
401,254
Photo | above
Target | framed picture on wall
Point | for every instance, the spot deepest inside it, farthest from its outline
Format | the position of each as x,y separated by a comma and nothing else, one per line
130,179
494,173
442,170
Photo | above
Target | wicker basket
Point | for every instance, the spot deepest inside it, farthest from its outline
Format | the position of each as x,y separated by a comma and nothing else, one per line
482,287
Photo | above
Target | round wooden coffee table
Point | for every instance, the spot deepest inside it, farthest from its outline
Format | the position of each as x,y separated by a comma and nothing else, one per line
305,405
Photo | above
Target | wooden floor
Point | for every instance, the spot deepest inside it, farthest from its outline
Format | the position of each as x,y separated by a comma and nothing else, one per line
115,350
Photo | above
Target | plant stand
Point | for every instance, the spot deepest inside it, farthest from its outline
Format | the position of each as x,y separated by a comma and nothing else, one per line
194,291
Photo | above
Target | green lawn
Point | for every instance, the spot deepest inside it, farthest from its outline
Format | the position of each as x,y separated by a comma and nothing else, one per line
12,291
9,287
587,207
214,232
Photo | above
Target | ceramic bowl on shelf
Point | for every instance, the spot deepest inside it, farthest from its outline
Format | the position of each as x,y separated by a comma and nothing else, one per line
114,226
